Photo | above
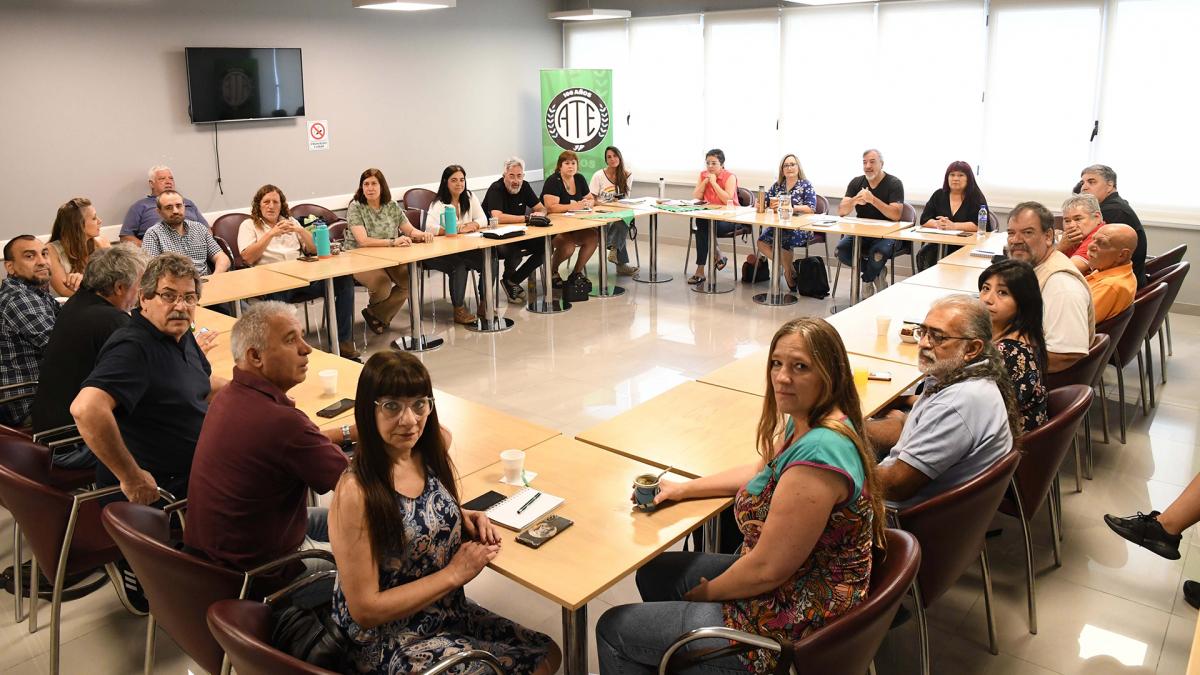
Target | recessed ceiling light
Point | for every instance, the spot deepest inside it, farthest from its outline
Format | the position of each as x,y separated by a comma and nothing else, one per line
590,14
404,5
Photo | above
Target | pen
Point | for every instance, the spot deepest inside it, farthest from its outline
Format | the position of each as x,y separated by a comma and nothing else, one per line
531,500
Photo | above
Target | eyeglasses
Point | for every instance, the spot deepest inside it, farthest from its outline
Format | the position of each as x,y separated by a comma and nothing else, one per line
790,165
171,297
421,407
936,337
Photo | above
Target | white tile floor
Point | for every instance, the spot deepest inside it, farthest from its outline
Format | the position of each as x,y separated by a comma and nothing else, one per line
1112,607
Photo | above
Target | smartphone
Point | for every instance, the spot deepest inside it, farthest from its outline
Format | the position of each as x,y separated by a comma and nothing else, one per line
965,234
484,501
881,375
544,530
336,409
308,258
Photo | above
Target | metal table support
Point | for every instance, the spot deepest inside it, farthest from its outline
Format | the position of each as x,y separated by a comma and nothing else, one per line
416,341
488,321
652,276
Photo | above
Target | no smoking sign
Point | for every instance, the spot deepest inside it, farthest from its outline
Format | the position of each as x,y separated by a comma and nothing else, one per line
318,135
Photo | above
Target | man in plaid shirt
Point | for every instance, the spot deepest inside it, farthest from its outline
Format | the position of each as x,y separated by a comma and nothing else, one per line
27,313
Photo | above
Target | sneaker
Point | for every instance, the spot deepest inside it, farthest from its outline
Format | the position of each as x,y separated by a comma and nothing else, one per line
1144,530
516,294
132,589
1191,593
612,256
626,270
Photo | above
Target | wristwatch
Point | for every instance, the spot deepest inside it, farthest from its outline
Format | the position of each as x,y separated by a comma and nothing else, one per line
347,442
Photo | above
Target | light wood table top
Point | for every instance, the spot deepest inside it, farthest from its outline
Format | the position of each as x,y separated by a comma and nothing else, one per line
482,433
963,257
953,277
748,374
851,226
697,428
250,282
907,234
342,264
902,302
443,245
609,539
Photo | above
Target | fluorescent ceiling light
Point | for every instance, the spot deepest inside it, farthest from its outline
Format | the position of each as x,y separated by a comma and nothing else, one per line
590,14
404,5
824,2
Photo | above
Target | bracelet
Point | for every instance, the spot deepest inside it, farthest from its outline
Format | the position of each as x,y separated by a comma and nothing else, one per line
392,242
346,440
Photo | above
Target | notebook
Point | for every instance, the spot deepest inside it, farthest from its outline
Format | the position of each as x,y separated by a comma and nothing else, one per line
505,513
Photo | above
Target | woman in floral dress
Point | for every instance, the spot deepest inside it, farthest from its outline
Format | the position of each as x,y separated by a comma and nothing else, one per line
1010,291
405,548
810,511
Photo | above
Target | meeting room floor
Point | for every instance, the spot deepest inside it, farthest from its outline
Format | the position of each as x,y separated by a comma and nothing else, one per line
1111,608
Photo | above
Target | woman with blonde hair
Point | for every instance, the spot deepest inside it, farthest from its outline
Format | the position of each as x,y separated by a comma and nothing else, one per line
810,511
74,237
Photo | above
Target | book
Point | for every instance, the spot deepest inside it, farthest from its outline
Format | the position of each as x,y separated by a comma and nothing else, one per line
505,513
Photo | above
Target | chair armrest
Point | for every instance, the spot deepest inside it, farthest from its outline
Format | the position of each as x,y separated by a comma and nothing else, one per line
298,584
18,397
306,554
742,642
17,385
41,436
469,656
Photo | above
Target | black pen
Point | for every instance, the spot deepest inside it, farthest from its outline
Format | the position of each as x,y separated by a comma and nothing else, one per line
531,500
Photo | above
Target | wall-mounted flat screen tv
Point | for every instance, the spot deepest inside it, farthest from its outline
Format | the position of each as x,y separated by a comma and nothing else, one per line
227,84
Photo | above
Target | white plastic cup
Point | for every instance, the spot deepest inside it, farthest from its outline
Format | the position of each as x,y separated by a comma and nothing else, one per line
328,382
514,465
882,324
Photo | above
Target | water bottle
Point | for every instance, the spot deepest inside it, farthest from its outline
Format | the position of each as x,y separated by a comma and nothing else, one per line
982,223
785,209
321,239
493,223
662,188
450,221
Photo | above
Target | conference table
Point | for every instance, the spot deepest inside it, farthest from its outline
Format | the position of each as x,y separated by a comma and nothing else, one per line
608,540
903,303
963,257
951,277
245,283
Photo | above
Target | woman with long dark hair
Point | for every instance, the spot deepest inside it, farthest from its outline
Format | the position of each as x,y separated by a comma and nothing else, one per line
74,237
452,191
405,547
810,510
609,184
953,207
1010,292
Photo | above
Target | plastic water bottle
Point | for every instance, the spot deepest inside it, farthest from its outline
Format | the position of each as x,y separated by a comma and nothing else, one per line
982,223
321,239
450,221
662,188
785,209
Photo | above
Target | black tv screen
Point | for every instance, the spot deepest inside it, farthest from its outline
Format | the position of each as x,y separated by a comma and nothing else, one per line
232,83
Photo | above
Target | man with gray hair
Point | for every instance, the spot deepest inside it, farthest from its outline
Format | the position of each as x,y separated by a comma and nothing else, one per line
878,196
966,416
1081,219
258,455
143,214
511,200
1100,181
101,306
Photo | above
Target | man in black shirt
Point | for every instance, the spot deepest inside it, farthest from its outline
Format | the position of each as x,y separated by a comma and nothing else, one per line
95,312
1100,181
878,196
510,200
141,409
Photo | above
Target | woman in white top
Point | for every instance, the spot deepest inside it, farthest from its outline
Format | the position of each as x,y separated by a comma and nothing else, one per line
452,191
73,239
271,235
608,185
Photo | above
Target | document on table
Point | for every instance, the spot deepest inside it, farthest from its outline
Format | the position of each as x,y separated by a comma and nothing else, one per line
873,221
524,507
988,250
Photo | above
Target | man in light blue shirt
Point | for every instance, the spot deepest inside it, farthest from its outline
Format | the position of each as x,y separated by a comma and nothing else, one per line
143,214
963,420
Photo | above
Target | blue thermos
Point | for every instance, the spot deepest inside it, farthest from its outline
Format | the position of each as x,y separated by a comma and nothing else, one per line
321,239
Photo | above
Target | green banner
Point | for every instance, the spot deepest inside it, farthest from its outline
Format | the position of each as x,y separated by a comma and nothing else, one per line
576,107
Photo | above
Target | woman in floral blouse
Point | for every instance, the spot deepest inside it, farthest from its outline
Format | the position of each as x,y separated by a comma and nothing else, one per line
794,186
1009,289
809,508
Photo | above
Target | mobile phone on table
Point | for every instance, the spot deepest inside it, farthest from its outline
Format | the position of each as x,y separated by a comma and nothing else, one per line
308,258
544,530
881,375
336,409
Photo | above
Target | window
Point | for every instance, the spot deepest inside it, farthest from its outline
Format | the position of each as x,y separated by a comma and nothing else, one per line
741,102
666,130
603,44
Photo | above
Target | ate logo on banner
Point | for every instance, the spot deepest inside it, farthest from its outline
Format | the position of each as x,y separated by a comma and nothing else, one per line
577,119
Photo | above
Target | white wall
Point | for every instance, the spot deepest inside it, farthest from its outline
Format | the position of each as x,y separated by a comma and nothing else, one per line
95,93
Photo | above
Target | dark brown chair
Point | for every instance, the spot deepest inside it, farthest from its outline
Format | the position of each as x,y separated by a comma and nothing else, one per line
178,585
302,211
1034,484
950,528
1173,277
226,228
419,198
63,529
819,237
1086,371
416,217
1129,345
844,646
243,629
337,231
1114,328
1164,260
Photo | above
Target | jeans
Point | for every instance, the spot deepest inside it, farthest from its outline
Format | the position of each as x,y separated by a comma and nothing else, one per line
516,271
78,456
343,301
723,228
874,256
618,239
631,639
456,267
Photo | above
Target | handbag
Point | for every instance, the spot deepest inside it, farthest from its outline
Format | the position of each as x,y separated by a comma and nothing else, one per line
811,278
751,275
309,633
576,289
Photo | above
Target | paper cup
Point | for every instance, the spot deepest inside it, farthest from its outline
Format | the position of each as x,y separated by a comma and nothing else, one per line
328,382
882,325
513,461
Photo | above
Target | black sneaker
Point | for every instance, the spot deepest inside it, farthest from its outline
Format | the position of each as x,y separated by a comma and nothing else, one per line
1144,530
1191,593
133,589
516,294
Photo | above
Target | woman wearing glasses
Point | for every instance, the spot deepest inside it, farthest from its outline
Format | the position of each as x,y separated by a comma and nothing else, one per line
73,239
791,185
1009,289
403,545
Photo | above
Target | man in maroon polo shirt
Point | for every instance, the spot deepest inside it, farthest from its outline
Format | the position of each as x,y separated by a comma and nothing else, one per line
258,454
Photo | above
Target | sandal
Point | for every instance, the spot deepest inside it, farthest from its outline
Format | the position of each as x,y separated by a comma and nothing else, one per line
721,263
695,280
377,327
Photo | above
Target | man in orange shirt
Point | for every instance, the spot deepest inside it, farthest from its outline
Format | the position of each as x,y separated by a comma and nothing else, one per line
1111,281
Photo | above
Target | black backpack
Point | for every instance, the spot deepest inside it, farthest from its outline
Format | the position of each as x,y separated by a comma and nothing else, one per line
576,289
811,278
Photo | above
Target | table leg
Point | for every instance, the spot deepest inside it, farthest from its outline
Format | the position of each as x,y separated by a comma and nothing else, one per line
776,296
488,322
602,290
547,304
237,309
711,533
710,285
575,641
331,311
652,276
415,341
855,282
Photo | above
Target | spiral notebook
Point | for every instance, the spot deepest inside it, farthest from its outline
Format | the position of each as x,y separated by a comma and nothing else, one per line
505,513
